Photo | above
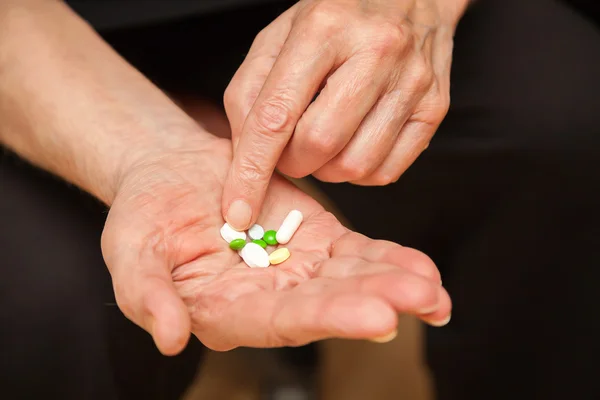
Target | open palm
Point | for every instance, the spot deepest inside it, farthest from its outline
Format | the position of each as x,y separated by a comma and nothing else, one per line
173,274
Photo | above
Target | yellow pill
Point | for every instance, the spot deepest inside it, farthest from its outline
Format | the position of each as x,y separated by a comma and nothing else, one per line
279,256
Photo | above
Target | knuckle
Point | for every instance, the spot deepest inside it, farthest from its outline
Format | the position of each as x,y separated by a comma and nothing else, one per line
422,74
433,114
274,115
326,18
351,169
319,141
228,95
292,164
426,144
251,171
389,39
424,264
292,169
380,179
440,111
393,175
261,36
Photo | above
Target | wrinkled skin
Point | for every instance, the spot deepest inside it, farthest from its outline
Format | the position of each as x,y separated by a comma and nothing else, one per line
173,274
344,90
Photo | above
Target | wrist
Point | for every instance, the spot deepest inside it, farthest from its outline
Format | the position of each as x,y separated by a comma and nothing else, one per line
153,170
174,147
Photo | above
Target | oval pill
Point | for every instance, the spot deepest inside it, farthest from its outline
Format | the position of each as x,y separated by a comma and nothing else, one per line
237,244
279,256
255,256
256,232
289,226
261,243
229,234
270,237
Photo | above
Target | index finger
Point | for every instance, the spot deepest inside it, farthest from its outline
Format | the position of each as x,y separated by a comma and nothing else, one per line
301,67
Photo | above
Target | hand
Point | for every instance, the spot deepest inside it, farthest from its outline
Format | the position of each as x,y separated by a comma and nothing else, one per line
173,274
380,73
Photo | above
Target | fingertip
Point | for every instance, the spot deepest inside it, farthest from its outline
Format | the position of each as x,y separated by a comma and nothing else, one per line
239,215
170,329
170,341
385,338
168,319
440,322
442,315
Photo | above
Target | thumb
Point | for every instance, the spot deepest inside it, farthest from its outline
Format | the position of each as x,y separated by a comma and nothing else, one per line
145,293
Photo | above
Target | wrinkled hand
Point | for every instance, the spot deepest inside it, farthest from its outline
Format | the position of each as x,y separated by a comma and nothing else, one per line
173,274
380,73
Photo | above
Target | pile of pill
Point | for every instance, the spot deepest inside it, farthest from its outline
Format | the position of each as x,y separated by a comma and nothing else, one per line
254,253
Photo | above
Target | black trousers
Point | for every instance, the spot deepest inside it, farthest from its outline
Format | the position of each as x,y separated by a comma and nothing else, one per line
505,201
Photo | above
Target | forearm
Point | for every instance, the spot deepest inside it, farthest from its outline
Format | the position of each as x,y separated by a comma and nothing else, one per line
69,104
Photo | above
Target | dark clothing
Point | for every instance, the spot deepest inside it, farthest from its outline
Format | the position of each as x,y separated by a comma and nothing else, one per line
505,201
112,14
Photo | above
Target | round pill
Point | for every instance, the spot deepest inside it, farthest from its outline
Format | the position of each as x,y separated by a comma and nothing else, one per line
279,256
255,256
289,226
228,233
237,244
270,237
256,232
261,243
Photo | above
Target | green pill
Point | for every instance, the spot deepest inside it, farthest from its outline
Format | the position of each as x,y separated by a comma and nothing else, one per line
237,244
261,243
270,237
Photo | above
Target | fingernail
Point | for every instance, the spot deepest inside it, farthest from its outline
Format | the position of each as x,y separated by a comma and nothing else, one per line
429,310
239,215
440,323
387,338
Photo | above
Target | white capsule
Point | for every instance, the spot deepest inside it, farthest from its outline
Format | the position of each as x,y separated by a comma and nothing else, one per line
289,227
229,234
255,256
256,232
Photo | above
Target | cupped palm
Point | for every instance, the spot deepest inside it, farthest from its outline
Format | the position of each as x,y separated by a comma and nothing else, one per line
173,273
